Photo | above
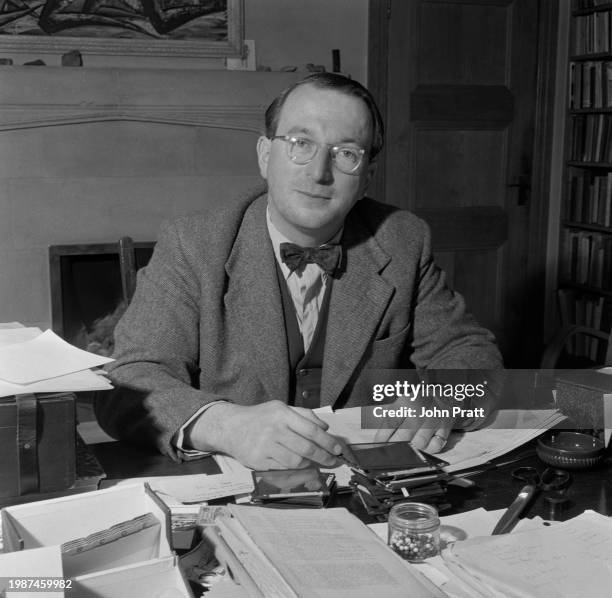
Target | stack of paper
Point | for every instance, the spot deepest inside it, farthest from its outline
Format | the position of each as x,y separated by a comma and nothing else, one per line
32,361
234,479
566,560
510,429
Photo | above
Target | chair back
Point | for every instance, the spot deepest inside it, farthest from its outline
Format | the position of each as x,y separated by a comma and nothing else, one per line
127,265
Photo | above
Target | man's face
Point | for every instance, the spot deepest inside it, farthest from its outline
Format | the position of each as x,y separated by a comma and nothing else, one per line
309,202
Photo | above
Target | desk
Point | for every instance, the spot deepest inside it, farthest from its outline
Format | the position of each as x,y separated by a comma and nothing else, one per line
495,488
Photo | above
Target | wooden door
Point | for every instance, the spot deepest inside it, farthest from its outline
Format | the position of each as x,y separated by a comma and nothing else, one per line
459,89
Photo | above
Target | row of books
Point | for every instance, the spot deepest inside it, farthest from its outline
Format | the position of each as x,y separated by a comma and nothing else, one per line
583,309
587,4
591,138
590,84
587,259
592,33
590,198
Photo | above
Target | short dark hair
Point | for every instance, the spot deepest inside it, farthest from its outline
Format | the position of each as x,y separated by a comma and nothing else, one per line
339,83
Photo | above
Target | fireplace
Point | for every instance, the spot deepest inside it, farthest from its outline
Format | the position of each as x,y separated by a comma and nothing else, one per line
86,292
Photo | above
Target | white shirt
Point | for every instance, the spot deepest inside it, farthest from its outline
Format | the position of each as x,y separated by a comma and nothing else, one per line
306,289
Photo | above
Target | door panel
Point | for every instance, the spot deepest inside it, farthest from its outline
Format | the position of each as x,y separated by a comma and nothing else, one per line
461,100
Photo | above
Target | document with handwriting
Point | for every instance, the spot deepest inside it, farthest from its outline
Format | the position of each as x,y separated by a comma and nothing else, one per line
566,560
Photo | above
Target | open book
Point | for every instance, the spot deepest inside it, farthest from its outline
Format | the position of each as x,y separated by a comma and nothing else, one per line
304,553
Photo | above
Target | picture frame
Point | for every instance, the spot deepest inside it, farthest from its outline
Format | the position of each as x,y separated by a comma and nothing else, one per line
159,29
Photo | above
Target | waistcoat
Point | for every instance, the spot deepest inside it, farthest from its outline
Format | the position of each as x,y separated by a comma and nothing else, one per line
304,368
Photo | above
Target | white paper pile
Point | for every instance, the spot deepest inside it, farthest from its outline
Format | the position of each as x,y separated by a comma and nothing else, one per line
566,560
234,479
510,429
32,361
537,559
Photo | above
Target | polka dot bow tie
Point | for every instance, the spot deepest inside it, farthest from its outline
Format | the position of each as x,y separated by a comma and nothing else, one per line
295,257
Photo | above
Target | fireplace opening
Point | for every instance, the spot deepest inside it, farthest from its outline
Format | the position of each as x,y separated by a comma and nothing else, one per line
86,292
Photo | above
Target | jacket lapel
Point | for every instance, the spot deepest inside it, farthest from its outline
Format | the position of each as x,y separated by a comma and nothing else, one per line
359,299
253,297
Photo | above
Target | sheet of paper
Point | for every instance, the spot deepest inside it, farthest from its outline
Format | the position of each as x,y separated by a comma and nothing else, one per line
76,382
561,560
231,467
193,488
46,356
346,424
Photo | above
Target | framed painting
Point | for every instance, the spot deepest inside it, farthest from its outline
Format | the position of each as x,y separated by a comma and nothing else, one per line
181,28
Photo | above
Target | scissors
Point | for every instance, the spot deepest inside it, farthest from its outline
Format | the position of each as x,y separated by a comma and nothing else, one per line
550,480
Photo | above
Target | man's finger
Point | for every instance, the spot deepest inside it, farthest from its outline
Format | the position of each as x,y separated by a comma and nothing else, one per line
437,442
312,432
308,441
431,440
311,416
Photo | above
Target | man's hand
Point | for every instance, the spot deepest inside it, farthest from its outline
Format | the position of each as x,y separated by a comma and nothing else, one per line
270,435
427,434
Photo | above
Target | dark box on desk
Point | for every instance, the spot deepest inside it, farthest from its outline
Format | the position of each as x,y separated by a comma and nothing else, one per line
37,444
580,395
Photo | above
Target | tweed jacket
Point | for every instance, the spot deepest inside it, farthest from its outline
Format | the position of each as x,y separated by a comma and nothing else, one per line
206,321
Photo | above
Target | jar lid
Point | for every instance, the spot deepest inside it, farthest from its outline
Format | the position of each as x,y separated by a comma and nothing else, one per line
570,450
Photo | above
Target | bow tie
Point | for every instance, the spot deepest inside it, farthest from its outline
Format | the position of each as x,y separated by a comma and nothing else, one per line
295,257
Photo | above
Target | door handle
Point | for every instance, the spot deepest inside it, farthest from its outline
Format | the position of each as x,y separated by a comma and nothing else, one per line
524,188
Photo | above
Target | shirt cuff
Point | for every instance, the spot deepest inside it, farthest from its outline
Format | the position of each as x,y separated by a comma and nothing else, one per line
179,437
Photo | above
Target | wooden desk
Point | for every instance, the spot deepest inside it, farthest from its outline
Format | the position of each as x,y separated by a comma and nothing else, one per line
495,488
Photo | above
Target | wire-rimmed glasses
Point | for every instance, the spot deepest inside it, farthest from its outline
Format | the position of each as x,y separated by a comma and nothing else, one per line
302,150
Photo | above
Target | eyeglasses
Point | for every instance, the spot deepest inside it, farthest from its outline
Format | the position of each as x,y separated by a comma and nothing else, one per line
302,150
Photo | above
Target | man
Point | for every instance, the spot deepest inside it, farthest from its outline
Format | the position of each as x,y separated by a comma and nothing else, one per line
234,334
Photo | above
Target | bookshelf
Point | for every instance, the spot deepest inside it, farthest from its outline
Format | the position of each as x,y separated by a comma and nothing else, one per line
585,273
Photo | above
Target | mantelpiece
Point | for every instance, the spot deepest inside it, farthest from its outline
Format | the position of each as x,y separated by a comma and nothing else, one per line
51,96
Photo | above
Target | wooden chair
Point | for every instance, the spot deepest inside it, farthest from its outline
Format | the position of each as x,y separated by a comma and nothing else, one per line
127,265
580,332
554,350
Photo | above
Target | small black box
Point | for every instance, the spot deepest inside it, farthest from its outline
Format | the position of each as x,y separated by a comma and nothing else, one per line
37,444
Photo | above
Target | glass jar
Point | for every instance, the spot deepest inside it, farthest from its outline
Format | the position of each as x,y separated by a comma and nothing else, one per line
414,530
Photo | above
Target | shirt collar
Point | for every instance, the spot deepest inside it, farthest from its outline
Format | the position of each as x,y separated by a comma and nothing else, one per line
277,238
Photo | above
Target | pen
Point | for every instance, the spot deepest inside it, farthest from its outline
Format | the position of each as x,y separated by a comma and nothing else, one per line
510,517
